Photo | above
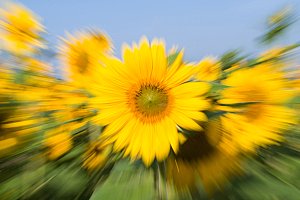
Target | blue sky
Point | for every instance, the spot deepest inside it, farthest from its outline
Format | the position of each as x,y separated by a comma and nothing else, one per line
201,27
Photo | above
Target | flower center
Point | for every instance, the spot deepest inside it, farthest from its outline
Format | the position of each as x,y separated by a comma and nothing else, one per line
253,112
151,100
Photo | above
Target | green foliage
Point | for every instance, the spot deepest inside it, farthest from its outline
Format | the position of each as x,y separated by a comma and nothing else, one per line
273,174
277,180
127,181
231,58
277,25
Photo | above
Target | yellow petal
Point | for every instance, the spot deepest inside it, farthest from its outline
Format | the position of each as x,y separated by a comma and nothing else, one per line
161,142
192,104
136,144
175,66
171,130
125,135
191,89
198,116
182,138
115,126
107,116
145,59
183,74
185,122
159,60
147,151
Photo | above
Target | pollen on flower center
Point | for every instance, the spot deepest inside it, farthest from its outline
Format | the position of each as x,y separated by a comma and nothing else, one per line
151,100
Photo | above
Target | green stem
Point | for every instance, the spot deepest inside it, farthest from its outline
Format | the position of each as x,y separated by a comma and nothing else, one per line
160,182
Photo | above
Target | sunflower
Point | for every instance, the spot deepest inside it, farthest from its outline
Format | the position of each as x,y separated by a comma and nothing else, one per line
96,155
261,117
142,101
58,141
202,160
20,29
18,118
17,124
83,53
209,69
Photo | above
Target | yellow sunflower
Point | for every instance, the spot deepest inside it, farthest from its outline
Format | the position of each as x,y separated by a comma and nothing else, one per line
96,155
202,160
17,124
58,141
142,101
263,118
20,29
83,53
209,69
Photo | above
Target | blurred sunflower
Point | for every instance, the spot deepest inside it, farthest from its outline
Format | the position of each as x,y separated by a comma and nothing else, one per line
201,160
17,124
258,115
96,155
20,29
209,69
83,54
52,95
142,101
58,141
18,118
63,104
7,139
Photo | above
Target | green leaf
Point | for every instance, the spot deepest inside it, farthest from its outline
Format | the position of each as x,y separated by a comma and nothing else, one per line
127,181
216,87
231,58
295,100
278,24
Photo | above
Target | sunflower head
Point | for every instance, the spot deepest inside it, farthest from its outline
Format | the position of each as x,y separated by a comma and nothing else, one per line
267,85
83,53
20,29
96,155
203,161
150,101
260,114
58,141
142,100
